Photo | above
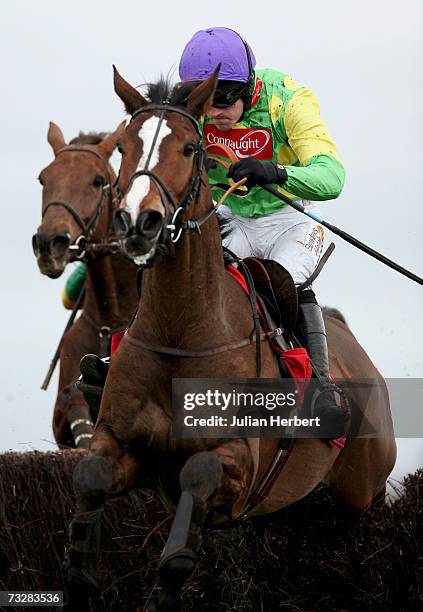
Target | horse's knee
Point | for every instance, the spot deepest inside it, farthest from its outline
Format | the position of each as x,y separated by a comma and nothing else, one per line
352,508
202,474
92,481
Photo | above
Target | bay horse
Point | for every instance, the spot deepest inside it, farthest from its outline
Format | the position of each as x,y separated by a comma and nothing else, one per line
78,201
191,317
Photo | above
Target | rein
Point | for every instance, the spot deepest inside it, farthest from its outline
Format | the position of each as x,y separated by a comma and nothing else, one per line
83,243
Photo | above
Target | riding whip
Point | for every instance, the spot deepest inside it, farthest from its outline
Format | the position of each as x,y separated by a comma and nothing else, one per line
56,356
360,245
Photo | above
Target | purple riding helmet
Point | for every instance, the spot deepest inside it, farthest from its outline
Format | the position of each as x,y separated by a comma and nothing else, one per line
208,48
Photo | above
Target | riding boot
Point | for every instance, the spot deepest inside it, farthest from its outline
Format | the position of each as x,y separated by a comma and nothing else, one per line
330,404
93,377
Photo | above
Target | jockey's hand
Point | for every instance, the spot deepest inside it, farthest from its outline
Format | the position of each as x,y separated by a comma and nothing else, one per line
257,172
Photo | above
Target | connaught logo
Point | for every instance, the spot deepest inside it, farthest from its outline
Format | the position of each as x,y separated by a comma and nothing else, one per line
256,142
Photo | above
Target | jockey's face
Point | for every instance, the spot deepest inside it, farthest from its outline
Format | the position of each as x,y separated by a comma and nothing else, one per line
226,118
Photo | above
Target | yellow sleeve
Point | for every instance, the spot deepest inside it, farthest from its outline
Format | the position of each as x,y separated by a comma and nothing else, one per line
321,174
307,134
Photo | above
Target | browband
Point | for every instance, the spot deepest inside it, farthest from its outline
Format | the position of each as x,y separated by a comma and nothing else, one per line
82,149
169,108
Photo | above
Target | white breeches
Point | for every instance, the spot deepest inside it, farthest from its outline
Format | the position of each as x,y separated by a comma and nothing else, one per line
287,236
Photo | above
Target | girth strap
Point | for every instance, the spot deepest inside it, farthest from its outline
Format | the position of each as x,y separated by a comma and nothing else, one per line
176,352
252,295
270,476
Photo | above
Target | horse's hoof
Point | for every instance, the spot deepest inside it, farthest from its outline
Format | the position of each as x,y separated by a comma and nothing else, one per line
168,601
79,597
176,571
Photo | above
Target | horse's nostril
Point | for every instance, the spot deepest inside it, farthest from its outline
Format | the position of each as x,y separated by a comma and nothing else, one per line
35,245
149,223
59,244
122,223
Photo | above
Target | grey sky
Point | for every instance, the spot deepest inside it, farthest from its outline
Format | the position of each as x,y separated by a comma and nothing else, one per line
363,60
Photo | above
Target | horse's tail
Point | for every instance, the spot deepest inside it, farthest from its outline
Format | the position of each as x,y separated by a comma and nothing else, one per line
334,313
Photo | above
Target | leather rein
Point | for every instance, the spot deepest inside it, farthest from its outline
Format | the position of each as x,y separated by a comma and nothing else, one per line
83,243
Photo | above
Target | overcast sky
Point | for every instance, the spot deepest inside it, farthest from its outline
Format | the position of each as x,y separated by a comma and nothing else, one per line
362,59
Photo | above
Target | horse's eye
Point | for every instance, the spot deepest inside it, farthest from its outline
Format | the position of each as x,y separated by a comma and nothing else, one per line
189,149
119,148
41,180
98,181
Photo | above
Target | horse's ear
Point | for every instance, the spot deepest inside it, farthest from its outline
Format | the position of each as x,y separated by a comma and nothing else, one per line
55,137
108,144
131,98
201,98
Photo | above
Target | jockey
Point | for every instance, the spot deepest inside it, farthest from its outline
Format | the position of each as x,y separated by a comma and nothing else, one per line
275,129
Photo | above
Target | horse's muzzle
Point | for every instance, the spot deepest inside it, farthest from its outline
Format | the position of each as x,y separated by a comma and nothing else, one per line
149,224
139,242
52,252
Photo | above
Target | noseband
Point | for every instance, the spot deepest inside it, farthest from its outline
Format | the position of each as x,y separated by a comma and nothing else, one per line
81,243
174,211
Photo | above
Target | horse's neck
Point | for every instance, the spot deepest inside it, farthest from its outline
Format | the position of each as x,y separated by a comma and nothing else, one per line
187,287
110,290
111,295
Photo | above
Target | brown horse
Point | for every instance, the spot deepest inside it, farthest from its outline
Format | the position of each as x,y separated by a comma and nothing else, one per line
78,200
190,317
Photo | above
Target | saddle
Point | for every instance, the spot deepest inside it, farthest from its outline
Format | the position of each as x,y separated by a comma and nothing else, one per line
273,288
276,287
276,292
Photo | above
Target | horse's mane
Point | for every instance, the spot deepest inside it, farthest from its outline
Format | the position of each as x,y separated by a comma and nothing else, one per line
164,91
334,313
92,138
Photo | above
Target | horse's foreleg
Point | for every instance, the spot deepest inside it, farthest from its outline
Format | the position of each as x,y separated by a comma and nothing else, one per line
79,420
72,423
200,477
218,478
106,470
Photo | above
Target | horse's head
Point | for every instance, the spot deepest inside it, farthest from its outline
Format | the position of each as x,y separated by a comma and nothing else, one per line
76,198
162,164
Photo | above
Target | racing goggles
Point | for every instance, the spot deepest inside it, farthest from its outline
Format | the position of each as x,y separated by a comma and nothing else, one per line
228,92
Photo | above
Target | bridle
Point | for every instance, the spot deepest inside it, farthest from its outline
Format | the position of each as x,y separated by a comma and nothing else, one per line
83,243
174,224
